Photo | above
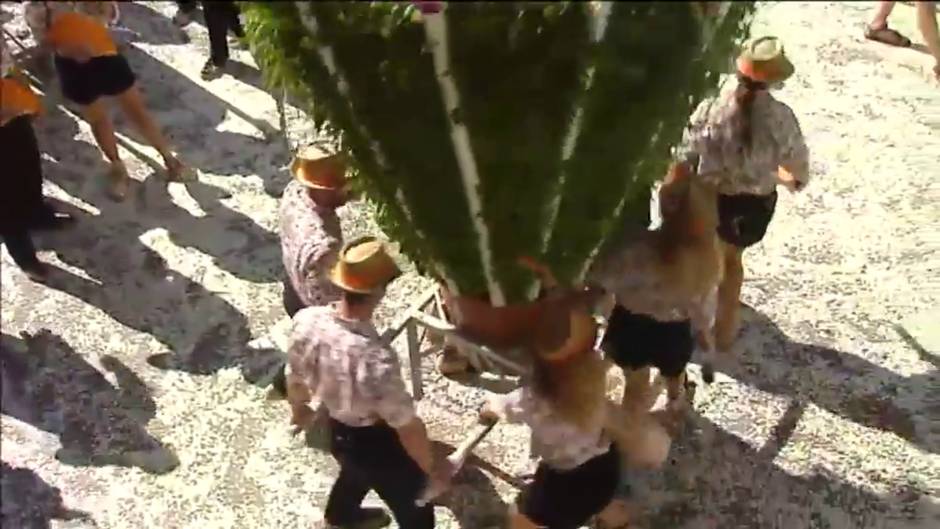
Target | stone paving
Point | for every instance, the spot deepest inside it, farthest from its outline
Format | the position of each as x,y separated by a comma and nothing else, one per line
137,398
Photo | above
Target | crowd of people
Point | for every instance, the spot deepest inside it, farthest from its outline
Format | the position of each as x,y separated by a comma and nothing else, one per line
662,295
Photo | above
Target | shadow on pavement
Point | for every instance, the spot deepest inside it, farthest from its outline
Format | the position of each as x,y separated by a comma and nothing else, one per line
839,382
31,503
48,385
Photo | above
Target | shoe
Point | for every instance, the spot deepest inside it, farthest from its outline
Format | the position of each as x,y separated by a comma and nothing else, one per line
118,182
452,363
38,273
367,518
177,171
212,71
182,19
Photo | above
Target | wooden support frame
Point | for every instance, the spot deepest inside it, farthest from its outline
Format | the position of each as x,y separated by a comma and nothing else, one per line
418,324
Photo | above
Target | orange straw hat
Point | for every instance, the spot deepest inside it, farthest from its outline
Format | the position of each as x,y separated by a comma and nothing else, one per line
764,60
364,266
317,170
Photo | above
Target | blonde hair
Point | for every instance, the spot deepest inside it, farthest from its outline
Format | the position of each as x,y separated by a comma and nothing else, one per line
687,242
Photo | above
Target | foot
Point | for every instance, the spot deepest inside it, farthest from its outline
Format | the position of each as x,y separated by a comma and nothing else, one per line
366,518
38,273
177,171
886,35
452,363
212,71
182,19
118,182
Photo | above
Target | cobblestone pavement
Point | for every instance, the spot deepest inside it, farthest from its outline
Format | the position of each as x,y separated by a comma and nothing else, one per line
138,399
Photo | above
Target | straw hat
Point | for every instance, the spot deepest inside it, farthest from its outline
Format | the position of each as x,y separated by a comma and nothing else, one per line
364,266
318,170
764,60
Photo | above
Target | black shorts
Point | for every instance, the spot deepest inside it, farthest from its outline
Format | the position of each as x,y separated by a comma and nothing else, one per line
743,219
84,83
567,499
633,341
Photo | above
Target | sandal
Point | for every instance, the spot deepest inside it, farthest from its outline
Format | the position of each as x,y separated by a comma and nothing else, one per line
118,182
887,36
176,171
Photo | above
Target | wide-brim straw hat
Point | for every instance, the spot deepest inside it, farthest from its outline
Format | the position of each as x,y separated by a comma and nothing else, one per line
316,169
364,266
764,60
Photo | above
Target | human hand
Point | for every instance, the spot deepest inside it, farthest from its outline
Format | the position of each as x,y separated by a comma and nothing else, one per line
302,418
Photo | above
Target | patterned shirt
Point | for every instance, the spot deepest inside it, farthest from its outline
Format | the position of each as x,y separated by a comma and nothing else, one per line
311,239
347,369
777,141
631,272
561,444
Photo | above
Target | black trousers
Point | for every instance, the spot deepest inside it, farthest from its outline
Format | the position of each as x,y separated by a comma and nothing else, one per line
221,17
21,204
21,248
372,458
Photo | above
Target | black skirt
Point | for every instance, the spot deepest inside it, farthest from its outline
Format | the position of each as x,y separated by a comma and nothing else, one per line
84,83
567,499
634,341
743,219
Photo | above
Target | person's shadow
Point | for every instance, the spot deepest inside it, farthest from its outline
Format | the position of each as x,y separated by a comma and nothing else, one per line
202,332
50,386
715,480
28,502
839,382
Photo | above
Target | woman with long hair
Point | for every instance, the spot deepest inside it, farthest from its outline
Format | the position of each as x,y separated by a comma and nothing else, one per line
745,143
579,433
665,285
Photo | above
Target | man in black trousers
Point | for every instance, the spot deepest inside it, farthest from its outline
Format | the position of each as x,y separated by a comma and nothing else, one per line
221,17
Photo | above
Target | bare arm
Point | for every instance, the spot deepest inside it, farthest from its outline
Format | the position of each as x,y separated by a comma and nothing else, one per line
414,439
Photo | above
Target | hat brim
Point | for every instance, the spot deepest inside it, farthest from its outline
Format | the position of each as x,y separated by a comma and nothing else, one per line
783,69
298,175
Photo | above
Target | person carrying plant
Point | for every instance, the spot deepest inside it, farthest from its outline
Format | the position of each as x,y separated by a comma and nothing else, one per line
339,363
22,207
665,285
90,67
311,236
746,142
573,423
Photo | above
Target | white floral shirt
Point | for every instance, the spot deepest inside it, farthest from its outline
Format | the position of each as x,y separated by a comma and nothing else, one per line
347,369
777,141
561,444
311,239
630,272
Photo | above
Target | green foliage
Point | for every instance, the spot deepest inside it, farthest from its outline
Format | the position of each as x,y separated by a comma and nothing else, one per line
522,72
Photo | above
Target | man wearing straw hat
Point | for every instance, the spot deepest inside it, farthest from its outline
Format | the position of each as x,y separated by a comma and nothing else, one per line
339,364
311,237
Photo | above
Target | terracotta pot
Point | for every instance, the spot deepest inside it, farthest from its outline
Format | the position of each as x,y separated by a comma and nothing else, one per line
316,168
497,327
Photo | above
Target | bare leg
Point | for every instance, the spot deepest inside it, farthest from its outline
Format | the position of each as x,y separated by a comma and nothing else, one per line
518,520
636,389
133,104
729,299
880,20
617,514
927,22
103,129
